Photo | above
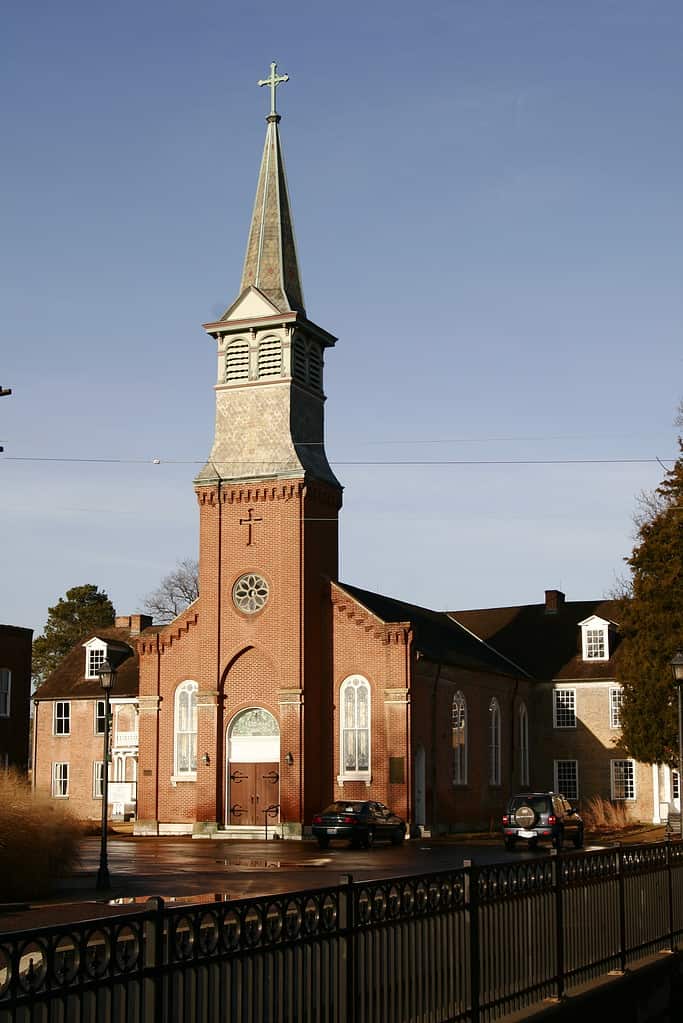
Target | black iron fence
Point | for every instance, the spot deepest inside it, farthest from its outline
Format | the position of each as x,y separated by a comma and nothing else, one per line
472,944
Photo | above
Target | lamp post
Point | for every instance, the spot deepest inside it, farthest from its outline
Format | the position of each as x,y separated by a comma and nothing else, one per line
107,679
677,672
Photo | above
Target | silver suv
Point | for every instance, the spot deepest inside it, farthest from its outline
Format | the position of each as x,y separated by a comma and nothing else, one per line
541,815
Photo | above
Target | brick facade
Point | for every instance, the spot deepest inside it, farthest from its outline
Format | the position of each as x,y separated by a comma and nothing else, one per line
15,662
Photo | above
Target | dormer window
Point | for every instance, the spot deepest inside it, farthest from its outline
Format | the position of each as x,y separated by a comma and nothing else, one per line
595,639
95,656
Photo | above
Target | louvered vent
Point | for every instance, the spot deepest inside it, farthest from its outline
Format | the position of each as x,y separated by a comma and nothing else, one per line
270,358
315,367
237,362
299,362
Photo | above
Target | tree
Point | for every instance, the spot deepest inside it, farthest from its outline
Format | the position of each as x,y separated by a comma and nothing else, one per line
651,621
82,610
175,592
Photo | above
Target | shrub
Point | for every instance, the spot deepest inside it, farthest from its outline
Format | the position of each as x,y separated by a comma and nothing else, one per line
603,815
39,839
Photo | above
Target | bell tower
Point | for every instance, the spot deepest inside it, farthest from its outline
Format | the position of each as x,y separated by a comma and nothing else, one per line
269,505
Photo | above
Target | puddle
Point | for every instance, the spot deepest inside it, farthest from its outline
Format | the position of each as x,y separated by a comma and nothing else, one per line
248,863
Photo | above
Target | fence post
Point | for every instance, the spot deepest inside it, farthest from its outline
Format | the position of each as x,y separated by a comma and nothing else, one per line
347,927
670,878
153,960
622,909
559,921
472,897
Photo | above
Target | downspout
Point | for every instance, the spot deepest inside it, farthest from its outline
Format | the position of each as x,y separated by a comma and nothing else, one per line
511,774
437,676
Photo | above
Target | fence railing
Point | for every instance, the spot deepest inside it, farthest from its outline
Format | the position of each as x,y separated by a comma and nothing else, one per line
472,944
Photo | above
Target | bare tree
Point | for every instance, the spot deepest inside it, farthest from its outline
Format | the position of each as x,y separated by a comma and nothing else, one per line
175,592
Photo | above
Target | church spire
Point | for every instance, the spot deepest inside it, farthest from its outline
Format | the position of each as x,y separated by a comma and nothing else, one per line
271,263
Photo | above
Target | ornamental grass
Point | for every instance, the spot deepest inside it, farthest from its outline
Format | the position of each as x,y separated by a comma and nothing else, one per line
39,839
605,815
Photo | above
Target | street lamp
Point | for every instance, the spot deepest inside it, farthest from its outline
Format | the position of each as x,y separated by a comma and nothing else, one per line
107,675
677,672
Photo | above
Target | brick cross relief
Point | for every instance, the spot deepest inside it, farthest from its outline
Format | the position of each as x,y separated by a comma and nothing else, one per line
250,522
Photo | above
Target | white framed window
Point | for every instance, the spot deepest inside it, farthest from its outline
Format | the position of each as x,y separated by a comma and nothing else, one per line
595,638
99,717
62,718
185,719
60,780
98,779
523,745
623,778
616,696
354,701
95,656
269,357
494,742
237,361
567,778
564,708
459,738
5,692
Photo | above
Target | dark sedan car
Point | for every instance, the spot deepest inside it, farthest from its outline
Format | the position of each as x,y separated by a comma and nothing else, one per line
360,822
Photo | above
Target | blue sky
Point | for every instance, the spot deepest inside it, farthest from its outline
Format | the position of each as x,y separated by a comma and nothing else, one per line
488,210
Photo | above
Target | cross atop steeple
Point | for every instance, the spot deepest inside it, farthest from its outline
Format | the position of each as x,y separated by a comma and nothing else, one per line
273,81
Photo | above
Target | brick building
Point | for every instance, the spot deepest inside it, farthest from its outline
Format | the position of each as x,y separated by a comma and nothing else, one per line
282,687
15,695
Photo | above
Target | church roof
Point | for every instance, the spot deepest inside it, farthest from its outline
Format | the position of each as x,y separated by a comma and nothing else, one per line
437,635
546,643
271,264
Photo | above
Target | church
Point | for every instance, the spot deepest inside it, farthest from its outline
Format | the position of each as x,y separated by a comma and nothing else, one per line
282,687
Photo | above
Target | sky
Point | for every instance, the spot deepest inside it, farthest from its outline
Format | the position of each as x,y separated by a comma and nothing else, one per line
487,203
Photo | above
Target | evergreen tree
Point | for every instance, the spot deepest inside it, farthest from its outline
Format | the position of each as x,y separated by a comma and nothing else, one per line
651,621
82,610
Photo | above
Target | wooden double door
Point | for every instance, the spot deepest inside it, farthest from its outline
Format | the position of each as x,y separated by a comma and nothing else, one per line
254,794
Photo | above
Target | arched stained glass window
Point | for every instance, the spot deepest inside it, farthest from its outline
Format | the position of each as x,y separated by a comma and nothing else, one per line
494,742
186,729
355,727
459,738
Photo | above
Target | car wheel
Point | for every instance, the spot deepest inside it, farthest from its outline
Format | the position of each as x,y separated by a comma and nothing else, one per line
578,837
510,844
323,841
558,840
398,836
356,842
369,838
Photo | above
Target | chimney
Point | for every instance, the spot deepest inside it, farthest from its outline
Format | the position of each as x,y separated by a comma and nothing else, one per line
554,599
134,623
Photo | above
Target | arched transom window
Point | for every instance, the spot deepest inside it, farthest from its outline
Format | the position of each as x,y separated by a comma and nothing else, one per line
494,742
186,731
354,701
459,738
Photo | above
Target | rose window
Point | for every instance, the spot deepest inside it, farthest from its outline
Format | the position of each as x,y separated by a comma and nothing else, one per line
250,593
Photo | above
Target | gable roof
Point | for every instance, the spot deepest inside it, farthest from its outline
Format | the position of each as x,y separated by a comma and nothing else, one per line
546,643
68,680
437,635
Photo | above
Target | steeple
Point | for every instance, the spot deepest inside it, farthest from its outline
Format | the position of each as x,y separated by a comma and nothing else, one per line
269,389
271,263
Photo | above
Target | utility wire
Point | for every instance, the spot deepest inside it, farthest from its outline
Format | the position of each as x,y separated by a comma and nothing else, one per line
342,462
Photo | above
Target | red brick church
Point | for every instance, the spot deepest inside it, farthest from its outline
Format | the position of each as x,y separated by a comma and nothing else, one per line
282,687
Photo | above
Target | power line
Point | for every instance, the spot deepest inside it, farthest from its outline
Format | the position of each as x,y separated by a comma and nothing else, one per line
352,463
